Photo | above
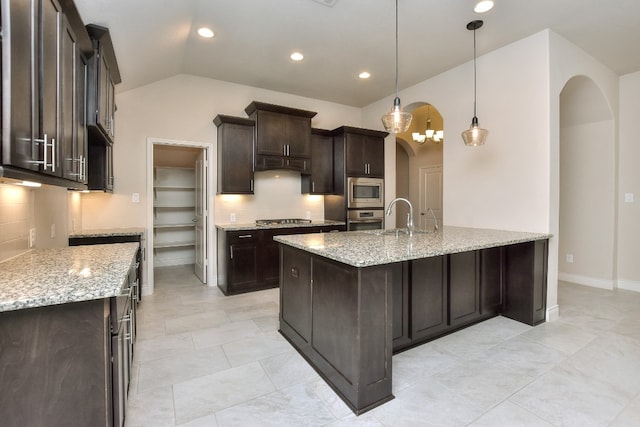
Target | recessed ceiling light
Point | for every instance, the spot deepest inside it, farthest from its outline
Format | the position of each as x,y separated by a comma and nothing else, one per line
205,32
483,6
296,56
364,75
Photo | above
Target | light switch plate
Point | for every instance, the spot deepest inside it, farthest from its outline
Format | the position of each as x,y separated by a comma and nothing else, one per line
628,197
232,217
135,197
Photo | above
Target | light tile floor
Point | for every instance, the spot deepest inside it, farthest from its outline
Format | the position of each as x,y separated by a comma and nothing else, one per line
203,359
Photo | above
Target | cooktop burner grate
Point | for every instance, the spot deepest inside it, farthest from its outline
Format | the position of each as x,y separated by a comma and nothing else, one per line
282,221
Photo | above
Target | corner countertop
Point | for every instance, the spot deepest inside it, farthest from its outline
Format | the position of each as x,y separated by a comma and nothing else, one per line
253,226
369,248
108,232
45,277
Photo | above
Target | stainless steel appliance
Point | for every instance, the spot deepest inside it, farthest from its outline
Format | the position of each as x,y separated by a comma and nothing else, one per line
365,219
279,221
365,193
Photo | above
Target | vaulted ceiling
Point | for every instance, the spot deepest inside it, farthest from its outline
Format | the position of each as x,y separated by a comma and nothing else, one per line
156,39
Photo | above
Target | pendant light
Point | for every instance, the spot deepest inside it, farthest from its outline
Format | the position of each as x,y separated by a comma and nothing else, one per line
475,135
396,120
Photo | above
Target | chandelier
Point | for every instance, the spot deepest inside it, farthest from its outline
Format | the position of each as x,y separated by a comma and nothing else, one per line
430,135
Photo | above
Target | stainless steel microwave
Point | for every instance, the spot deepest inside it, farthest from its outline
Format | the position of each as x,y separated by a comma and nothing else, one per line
365,193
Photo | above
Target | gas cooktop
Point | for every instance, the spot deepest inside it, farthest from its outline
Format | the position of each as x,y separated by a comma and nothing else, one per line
282,221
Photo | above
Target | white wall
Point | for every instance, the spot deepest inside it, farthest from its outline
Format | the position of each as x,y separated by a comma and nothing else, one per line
503,184
16,218
628,248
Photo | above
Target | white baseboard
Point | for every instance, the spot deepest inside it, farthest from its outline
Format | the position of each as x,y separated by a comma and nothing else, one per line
586,281
629,285
553,313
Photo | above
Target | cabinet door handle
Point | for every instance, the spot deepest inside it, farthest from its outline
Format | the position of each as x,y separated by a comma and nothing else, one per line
245,236
231,252
53,154
284,150
251,186
313,186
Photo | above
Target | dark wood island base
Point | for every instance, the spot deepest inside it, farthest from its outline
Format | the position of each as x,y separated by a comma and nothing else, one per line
348,321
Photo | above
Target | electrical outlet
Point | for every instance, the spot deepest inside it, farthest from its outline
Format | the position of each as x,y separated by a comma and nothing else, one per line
53,231
232,217
628,197
135,197
32,237
308,214
570,258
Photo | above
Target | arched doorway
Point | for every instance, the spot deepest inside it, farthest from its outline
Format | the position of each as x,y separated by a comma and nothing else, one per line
586,238
419,167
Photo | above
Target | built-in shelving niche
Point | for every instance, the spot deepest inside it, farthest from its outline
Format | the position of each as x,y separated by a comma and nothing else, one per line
173,215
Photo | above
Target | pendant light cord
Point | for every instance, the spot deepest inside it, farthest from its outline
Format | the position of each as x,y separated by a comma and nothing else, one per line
474,73
397,48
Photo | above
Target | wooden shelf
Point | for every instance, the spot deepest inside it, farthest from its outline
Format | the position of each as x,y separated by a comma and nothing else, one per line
161,245
174,187
173,206
184,225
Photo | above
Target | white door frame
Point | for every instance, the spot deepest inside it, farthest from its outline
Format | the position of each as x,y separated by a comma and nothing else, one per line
211,255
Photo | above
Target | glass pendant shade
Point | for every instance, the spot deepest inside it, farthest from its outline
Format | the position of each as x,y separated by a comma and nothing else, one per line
396,120
475,135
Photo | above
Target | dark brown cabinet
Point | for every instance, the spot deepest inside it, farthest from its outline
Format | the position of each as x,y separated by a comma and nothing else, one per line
464,288
491,281
429,297
282,137
249,260
296,294
363,151
320,181
43,44
103,74
100,171
525,282
235,154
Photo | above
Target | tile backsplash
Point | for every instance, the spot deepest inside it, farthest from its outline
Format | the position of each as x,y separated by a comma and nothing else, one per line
17,216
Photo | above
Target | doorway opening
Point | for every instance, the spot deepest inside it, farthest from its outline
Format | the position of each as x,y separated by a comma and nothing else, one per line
587,186
178,213
419,163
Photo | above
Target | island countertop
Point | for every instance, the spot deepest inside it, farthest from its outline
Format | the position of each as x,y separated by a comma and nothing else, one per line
373,247
44,277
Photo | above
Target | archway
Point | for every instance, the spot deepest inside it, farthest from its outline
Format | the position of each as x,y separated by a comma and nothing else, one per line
586,238
413,158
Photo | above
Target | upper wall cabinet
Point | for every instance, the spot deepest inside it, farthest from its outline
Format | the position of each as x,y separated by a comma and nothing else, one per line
320,181
235,154
103,75
282,137
44,49
363,151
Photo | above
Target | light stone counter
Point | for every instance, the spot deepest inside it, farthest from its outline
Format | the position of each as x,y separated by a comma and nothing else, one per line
108,232
368,248
56,276
253,226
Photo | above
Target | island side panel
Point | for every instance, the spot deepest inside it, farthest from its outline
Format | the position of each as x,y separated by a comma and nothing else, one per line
525,282
349,310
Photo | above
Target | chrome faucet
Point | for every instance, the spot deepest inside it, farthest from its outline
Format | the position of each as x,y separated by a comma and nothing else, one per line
409,215
435,220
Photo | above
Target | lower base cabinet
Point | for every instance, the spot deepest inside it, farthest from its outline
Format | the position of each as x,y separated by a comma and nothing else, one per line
249,260
439,295
68,364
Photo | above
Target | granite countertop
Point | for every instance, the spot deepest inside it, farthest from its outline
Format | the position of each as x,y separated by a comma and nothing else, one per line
253,226
108,232
368,248
44,277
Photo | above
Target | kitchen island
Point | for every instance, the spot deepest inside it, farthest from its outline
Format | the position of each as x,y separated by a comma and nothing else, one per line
67,327
348,301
